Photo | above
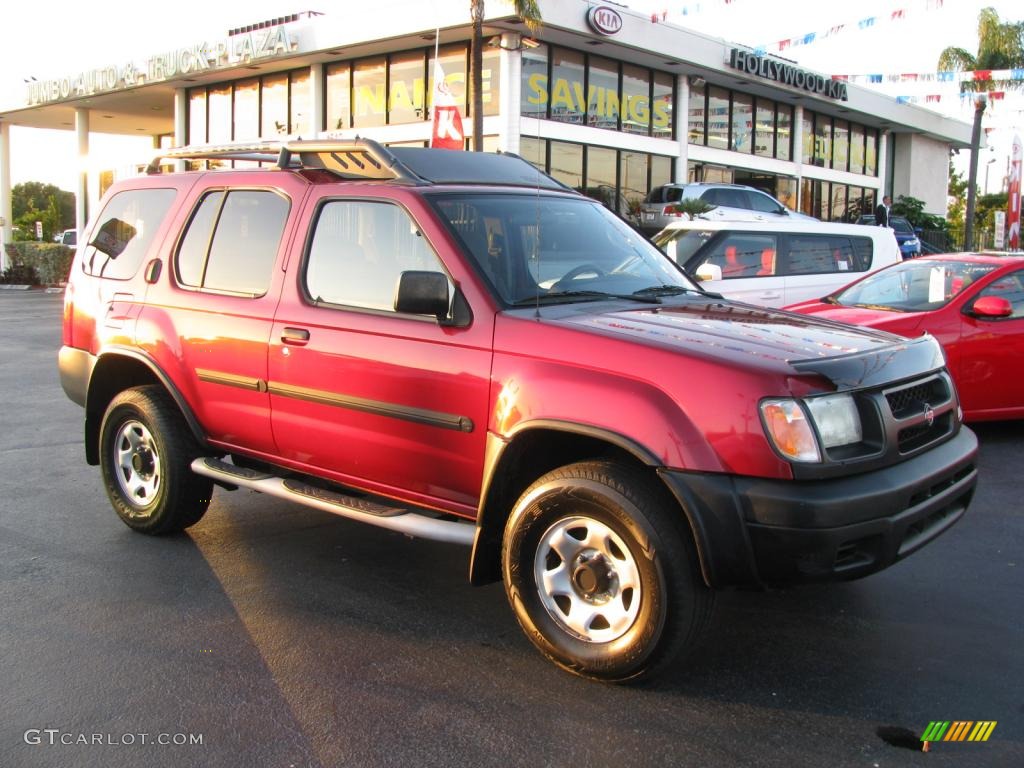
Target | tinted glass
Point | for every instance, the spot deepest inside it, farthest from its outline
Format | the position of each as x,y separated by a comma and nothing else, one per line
339,97
784,138
301,103
533,97
603,105
661,106
739,255
359,251
192,252
815,254
763,203
128,223
718,118
681,244
368,85
1011,288
697,121
406,83
566,89
274,105
246,242
636,100
557,250
742,122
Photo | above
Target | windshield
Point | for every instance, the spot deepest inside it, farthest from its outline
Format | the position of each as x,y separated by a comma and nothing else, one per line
901,225
681,244
553,249
920,285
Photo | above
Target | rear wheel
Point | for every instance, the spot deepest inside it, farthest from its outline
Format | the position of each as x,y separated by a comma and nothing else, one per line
146,450
601,572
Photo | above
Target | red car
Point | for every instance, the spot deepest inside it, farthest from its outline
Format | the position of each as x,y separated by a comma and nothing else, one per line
972,303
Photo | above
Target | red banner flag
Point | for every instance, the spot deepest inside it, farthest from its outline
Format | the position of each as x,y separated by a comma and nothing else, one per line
447,132
1013,196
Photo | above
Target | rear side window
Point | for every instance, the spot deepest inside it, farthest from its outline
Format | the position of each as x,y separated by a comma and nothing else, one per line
232,241
762,203
126,228
740,255
823,254
729,198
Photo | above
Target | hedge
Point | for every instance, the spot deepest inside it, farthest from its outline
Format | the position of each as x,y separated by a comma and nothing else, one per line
51,261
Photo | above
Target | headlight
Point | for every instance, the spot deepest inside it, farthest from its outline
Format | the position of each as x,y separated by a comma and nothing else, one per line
837,420
789,428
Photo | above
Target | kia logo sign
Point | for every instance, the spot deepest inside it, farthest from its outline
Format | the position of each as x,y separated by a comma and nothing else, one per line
604,20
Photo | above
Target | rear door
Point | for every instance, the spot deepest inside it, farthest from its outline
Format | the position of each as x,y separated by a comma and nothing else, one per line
391,403
209,319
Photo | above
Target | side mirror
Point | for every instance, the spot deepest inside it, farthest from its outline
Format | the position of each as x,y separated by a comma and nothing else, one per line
423,293
992,307
709,272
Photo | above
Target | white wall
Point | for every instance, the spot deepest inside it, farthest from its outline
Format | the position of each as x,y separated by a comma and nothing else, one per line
921,170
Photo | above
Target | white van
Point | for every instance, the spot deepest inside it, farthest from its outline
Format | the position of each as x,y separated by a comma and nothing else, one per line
776,264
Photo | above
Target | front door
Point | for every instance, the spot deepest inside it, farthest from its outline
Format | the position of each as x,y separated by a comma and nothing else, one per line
395,404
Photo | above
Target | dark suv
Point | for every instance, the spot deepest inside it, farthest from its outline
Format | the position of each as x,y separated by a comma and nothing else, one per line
454,346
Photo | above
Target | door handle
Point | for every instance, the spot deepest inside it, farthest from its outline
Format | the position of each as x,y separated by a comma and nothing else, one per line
296,336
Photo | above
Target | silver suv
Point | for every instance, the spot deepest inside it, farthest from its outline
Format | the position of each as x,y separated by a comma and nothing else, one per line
733,202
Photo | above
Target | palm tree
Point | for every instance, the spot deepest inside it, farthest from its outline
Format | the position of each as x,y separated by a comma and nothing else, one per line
529,12
1000,46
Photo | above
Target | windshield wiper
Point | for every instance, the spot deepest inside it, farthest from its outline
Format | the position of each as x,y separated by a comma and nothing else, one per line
592,295
664,290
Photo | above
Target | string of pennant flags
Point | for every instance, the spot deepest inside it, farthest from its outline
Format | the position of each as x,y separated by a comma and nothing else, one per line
978,75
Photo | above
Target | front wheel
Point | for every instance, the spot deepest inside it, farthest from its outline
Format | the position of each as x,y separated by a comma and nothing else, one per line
601,572
146,451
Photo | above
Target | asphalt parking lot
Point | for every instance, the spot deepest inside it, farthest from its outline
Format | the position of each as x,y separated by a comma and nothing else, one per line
282,636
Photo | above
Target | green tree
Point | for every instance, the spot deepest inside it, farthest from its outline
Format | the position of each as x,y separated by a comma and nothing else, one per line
34,201
529,12
912,210
957,191
692,207
1000,46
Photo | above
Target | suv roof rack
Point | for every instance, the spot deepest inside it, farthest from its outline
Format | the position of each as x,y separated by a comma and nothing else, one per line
367,159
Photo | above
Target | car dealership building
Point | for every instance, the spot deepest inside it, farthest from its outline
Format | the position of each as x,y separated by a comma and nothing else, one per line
602,97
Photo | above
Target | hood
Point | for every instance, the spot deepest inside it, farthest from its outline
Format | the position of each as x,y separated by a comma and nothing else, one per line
902,323
748,336
730,330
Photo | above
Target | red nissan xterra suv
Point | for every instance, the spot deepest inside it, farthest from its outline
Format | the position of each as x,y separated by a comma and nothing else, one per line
455,346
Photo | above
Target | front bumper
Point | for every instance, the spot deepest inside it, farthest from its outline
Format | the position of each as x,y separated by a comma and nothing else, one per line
753,531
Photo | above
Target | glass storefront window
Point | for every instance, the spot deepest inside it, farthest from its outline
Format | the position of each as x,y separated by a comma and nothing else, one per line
339,95
274,92
533,95
856,148
840,145
601,168
662,123
633,178
368,86
764,130
247,110
742,122
603,108
301,104
197,116
784,132
219,106
822,140
785,191
661,171
533,151
871,152
823,192
406,83
567,163
697,115
491,81
453,61
636,100
718,118
807,130
567,82
838,212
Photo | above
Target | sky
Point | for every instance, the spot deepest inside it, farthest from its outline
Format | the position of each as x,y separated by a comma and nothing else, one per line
100,32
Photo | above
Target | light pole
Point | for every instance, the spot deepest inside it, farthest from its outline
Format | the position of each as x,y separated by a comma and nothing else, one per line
972,180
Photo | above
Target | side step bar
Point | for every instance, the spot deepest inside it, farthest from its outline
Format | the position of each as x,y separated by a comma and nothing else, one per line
364,510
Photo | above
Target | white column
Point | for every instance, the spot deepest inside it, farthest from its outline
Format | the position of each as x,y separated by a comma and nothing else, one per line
180,124
797,149
510,86
5,191
681,113
883,163
317,93
82,192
